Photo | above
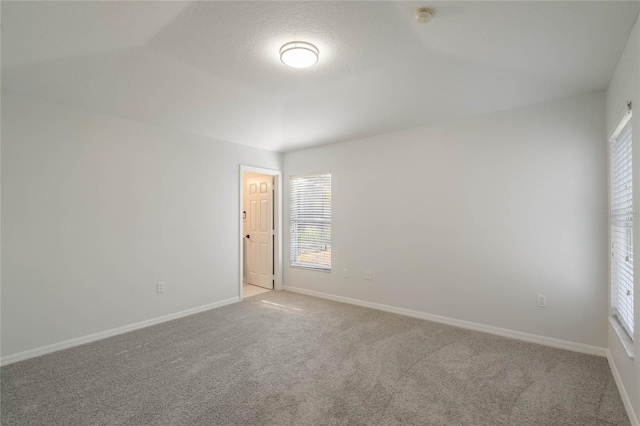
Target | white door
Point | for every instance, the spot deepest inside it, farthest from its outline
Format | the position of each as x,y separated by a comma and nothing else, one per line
259,237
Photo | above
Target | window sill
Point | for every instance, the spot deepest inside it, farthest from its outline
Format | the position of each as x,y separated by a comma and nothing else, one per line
626,341
310,268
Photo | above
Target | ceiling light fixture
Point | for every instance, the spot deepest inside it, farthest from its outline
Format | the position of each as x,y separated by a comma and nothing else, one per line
424,15
299,54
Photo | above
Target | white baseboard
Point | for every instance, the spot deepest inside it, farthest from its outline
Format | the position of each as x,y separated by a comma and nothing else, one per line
623,392
532,338
32,353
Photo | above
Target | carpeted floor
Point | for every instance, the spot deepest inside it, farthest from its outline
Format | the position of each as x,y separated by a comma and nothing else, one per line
286,359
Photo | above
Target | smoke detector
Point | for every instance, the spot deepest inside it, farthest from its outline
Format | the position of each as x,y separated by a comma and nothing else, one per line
424,15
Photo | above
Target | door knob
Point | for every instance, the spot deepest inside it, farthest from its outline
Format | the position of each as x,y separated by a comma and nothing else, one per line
247,236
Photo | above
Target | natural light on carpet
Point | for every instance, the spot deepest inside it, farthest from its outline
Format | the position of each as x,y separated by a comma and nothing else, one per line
282,306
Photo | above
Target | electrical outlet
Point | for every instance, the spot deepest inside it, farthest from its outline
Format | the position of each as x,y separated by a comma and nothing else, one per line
160,287
367,275
345,273
542,301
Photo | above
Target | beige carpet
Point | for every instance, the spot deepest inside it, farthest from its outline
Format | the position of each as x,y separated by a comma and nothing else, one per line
286,359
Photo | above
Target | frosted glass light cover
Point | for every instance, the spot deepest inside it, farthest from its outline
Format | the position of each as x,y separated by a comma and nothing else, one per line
299,54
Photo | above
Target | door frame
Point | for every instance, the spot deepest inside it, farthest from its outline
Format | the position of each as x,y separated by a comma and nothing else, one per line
277,223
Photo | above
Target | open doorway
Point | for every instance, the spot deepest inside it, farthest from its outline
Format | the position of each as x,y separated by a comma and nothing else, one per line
260,239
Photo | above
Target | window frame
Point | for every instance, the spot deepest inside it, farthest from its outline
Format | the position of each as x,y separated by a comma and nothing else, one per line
621,220
294,222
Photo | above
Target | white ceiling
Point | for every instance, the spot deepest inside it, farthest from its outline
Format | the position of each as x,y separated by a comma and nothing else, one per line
212,68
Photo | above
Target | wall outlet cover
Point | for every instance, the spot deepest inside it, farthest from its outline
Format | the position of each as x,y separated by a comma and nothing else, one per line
542,301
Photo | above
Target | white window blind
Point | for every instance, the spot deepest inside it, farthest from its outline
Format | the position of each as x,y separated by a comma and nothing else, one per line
310,221
621,215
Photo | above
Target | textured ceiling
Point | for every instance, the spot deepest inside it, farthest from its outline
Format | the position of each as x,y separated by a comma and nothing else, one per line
212,68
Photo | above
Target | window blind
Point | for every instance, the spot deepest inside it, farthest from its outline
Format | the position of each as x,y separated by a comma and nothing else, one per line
310,221
621,215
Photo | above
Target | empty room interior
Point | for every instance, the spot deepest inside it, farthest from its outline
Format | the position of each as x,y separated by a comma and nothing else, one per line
320,213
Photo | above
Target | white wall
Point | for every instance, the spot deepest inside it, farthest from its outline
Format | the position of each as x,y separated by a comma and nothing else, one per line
97,209
625,86
471,220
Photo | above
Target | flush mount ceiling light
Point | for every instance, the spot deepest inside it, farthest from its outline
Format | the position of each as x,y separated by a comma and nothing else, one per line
299,54
424,15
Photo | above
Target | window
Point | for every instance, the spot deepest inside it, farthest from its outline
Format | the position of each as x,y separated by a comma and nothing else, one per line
310,221
621,214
